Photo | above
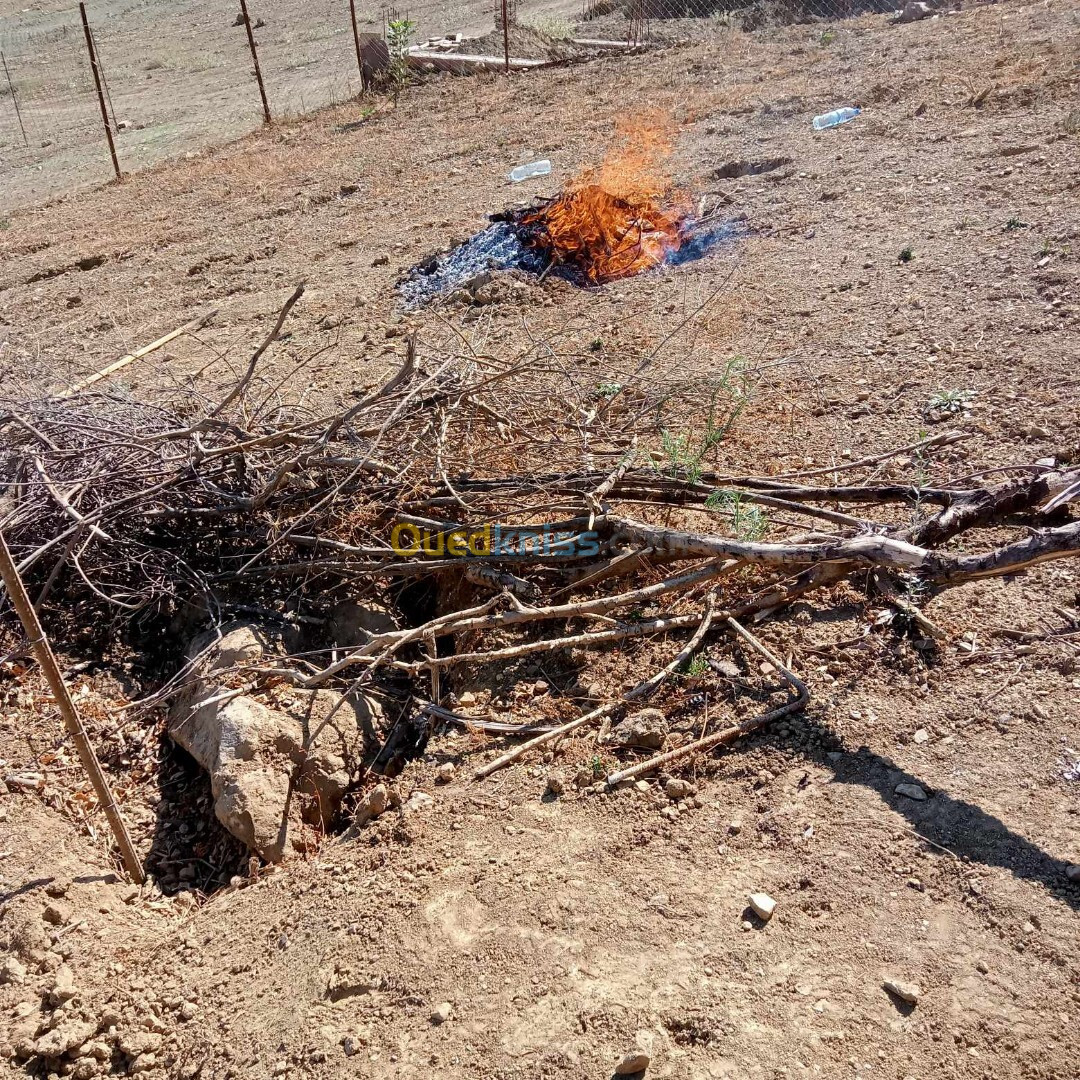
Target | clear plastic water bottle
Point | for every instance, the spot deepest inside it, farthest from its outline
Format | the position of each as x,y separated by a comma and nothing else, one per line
835,118
527,172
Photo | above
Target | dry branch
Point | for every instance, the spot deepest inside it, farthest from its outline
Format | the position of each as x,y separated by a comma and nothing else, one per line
248,492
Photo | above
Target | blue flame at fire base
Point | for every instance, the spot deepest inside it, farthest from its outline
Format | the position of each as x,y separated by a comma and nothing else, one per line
500,247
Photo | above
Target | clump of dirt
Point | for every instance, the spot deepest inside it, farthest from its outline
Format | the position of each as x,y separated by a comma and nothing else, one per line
526,43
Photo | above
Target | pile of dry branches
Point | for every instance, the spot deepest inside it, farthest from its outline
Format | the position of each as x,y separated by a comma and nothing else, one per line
255,498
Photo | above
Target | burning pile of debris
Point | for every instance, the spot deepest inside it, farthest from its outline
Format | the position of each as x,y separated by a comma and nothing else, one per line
623,218
210,540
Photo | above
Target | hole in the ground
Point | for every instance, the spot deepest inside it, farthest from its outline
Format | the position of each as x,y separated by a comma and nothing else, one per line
190,851
732,170
418,600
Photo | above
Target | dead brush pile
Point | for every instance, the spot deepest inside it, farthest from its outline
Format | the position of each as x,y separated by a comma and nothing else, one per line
541,515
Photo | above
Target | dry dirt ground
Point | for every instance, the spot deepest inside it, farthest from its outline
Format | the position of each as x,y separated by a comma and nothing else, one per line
566,932
180,76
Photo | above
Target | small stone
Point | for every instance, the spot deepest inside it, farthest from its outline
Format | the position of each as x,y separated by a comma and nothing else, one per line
12,971
1072,873
762,905
982,967
63,987
726,669
584,778
445,772
98,1049
374,804
908,992
632,1063
670,812
642,786
540,687
922,735
911,791
766,668
442,1012
467,698
188,1010
678,789
55,914
417,801
645,730
62,1038
351,1046
556,785
380,260
735,828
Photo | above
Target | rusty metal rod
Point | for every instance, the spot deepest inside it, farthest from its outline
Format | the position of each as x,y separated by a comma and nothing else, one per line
506,37
100,93
14,99
356,43
255,60
45,657
104,81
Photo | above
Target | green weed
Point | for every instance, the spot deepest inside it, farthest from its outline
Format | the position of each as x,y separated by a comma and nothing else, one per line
950,402
749,522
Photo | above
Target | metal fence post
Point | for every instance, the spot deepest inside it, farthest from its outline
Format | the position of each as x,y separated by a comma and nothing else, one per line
255,60
14,99
356,42
100,93
104,82
16,590
506,37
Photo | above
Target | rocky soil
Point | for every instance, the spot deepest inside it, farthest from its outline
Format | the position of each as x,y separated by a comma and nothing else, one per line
916,826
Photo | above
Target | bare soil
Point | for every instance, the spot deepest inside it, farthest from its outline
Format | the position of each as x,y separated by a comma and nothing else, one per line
180,78
566,932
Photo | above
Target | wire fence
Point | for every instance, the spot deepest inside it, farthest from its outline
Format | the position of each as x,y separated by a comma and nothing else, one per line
180,75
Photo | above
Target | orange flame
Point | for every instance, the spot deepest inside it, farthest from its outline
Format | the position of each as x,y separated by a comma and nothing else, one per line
609,222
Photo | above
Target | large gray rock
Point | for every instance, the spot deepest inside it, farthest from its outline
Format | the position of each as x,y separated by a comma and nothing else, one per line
279,766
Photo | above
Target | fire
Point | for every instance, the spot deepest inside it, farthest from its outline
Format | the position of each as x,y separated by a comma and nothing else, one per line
618,219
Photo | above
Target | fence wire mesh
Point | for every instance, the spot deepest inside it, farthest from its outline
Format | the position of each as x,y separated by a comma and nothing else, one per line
178,75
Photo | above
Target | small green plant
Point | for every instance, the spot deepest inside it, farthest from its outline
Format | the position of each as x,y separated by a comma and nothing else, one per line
827,37
907,254
1015,223
599,769
607,390
731,394
949,402
680,458
596,345
697,667
1047,248
5,223
748,521
398,34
